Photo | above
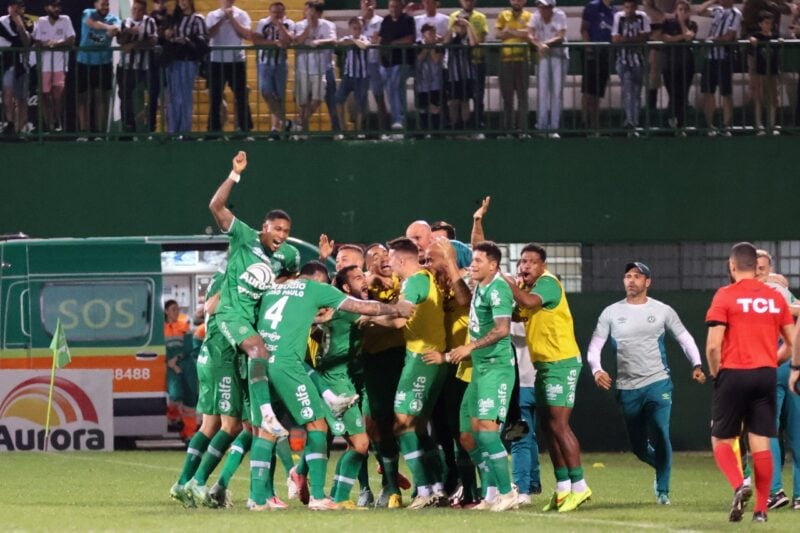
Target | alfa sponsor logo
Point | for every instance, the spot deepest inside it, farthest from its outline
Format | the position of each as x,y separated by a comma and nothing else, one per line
302,397
224,388
307,413
338,426
74,420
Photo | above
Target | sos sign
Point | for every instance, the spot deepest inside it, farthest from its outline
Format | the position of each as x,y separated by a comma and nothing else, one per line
97,310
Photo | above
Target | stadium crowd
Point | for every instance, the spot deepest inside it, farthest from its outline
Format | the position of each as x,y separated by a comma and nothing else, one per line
163,52
423,348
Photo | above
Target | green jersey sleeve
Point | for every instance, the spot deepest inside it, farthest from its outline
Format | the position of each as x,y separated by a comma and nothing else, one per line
240,233
416,289
326,295
549,291
289,257
501,300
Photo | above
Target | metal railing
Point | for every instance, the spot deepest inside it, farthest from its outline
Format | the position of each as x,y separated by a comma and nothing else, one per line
492,90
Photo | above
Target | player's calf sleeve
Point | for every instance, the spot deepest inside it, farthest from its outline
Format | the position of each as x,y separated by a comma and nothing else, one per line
432,459
490,442
284,453
351,464
317,458
260,470
194,453
410,448
258,384
214,453
762,465
390,462
236,453
728,463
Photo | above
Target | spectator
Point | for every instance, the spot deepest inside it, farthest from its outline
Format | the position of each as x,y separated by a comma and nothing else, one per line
228,26
765,76
372,27
631,27
187,38
312,66
439,21
718,70
657,10
15,33
94,70
596,23
54,31
512,28
396,29
480,28
752,8
137,37
678,62
355,77
158,76
428,80
548,33
275,31
461,72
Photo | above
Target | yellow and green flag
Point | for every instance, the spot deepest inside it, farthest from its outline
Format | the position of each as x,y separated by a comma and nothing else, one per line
61,357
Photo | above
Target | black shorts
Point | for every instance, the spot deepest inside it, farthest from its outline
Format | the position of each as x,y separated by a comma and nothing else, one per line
429,98
94,77
595,73
744,397
717,72
460,90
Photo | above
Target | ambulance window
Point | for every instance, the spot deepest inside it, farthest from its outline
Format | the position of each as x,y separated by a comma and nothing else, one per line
98,310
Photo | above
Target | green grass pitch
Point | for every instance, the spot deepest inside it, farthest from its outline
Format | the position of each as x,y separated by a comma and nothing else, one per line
128,491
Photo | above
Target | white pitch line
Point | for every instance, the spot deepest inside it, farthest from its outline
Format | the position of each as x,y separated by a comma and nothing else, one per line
600,521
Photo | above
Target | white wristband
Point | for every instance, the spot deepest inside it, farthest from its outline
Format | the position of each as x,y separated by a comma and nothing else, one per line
235,176
447,357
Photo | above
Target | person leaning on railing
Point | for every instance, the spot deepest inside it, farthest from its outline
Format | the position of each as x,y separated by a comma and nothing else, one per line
512,28
677,62
54,31
137,37
548,33
275,32
480,28
14,33
764,51
460,72
631,28
596,22
186,46
158,62
396,29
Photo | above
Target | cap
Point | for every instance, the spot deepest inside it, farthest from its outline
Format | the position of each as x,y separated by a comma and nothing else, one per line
644,269
550,3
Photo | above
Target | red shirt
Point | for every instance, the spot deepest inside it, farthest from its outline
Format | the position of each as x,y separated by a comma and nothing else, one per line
754,314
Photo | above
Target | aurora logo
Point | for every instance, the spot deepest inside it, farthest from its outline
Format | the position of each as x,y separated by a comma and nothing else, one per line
74,421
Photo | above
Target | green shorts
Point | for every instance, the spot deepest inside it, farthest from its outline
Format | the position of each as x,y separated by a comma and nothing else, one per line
352,421
183,387
419,386
556,382
493,383
235,329
381,374
222,390
464,413
292,385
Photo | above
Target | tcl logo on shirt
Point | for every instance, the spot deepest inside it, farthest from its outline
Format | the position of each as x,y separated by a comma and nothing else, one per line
759,305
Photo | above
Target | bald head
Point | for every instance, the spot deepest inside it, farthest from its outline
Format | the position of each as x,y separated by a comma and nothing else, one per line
420,232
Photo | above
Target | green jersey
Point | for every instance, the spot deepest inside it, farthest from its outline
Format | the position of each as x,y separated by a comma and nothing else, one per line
251,269
287,312
490,302
341,342
215,285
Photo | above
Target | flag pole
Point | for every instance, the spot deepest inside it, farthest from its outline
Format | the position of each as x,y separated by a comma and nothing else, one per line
49,403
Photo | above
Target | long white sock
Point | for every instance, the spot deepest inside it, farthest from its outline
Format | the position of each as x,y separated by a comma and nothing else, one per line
563,486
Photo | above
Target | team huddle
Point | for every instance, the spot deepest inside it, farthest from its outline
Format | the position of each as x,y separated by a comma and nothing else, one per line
408,352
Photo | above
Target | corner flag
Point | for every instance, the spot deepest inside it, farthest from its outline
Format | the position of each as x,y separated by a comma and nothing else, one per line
61,358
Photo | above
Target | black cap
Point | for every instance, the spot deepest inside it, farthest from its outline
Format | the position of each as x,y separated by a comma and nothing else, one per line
644,269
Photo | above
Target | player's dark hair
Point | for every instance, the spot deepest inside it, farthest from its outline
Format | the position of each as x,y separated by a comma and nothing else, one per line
316,5
168,304
441,225
355,20
535,248
404,245
278,214
315,267
373,245
277,4
744,256
142,3
341,277
491,250
765,15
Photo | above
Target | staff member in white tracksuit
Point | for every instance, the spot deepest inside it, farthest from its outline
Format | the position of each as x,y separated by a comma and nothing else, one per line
548,32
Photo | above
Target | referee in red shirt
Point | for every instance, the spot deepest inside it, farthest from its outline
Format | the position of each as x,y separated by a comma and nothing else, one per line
745,321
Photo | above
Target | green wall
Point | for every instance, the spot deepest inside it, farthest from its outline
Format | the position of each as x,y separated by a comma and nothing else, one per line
582,190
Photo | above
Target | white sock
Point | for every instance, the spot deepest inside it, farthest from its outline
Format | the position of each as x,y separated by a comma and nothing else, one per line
563,486
579,486
266,411
329,396
424,490
438,488
491,494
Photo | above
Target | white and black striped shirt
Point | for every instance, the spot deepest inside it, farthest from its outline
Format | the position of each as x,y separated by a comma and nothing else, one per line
725,20
143,30
631,55
355,59
459,59
270,32
192,28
